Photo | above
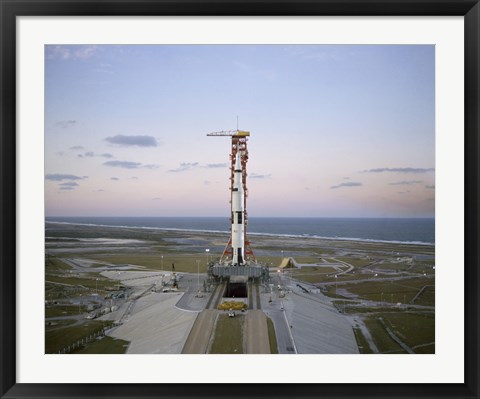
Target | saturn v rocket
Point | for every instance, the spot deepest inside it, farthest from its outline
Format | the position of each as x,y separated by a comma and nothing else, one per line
238,215
238,251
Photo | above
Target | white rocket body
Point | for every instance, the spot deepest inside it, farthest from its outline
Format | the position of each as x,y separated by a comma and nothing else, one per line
238,215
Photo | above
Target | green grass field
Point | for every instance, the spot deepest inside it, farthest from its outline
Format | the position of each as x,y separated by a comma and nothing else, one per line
89,281
228,338
53,264
357,262
186,263
104,346
362,343
272,338
393,291
319,275
64,310
381,338
57,339
56,324
414,329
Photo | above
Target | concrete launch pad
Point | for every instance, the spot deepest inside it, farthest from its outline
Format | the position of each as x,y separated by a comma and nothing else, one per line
166,322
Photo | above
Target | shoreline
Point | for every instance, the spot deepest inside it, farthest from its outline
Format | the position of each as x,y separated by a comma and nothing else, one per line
269,235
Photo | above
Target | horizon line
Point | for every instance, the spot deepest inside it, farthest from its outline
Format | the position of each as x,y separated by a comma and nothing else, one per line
250,217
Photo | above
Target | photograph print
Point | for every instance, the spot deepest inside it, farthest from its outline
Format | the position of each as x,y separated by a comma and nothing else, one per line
239,199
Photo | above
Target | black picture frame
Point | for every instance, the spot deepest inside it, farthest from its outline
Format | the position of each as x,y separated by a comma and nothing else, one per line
10,9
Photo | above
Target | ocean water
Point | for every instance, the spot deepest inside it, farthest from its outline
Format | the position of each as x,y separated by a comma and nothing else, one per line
399,230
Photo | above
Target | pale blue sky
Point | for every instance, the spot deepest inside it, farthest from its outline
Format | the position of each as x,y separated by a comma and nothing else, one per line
335,130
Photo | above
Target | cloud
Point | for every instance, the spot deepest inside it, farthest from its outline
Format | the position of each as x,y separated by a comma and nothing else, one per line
403,192
60,52
150,166
114,178
87,154
134,178
69,184
138,141
85,52
104,68
156,199
77,148
399,170
216,165
259,176
184,166
430,187
129,165
60,177
348,184
91,154
405,183
71,52
65,124
100,190
123,164
104,71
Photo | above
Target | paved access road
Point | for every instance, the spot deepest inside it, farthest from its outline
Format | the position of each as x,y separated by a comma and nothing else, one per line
201,332
190,301
256,331
285,343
